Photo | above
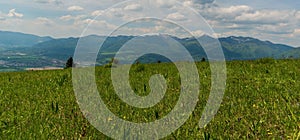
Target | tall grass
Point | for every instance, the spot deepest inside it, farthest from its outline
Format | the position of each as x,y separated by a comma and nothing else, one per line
262,101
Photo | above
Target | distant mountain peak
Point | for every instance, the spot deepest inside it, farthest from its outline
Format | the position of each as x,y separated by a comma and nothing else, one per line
15,39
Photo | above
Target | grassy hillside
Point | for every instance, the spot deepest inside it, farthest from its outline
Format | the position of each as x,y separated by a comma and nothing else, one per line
262,101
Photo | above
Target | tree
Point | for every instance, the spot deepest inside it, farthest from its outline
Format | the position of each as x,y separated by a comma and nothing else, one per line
70,63
111,62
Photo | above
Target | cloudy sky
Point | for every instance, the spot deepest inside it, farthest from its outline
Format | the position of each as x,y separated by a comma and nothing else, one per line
274,20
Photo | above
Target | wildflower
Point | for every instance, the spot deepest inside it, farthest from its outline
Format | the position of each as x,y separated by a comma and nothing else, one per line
109,119
270,133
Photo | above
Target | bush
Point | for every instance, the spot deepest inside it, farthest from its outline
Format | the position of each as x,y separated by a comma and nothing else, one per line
112,61
139,68
108,65
70,63
266,60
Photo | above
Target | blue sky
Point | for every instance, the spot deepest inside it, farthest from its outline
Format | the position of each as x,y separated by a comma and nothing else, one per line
274,20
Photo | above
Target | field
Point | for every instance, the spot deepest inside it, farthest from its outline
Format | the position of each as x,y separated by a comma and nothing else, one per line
262,101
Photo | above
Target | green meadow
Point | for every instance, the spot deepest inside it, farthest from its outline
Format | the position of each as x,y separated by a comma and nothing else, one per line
261,101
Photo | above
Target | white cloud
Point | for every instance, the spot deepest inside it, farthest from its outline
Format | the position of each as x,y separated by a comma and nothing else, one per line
296,32
297,15
134,7
13,13
41,1
198,33
96,24
227,13
2,16
203,1
57,2
44,21
199,4
266,17
66,17
233,26
115,12
97,13
246,19
75,8
86,21
165,3
76,19
282,28
176,16
188,3
234,9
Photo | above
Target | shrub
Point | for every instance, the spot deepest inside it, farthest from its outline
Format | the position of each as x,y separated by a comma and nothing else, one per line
139,68
266,60
70,63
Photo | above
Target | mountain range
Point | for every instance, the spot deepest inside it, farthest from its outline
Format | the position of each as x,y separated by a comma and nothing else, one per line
9,40
19,50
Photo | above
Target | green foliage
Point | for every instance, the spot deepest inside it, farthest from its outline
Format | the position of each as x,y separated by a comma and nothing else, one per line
256,104
111,63
266,60
70,63
139,67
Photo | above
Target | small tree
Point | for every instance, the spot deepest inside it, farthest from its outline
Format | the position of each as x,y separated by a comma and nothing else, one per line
114,61
70,63
111,62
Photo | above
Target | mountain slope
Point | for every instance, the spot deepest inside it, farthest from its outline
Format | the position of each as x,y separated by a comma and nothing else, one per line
56,48
251,48
14,39
294,53
34,51
234,48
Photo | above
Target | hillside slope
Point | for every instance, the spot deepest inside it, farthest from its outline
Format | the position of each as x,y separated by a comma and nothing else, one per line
15,39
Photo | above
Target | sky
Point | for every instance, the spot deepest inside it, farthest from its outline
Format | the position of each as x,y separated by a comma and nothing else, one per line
277,21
